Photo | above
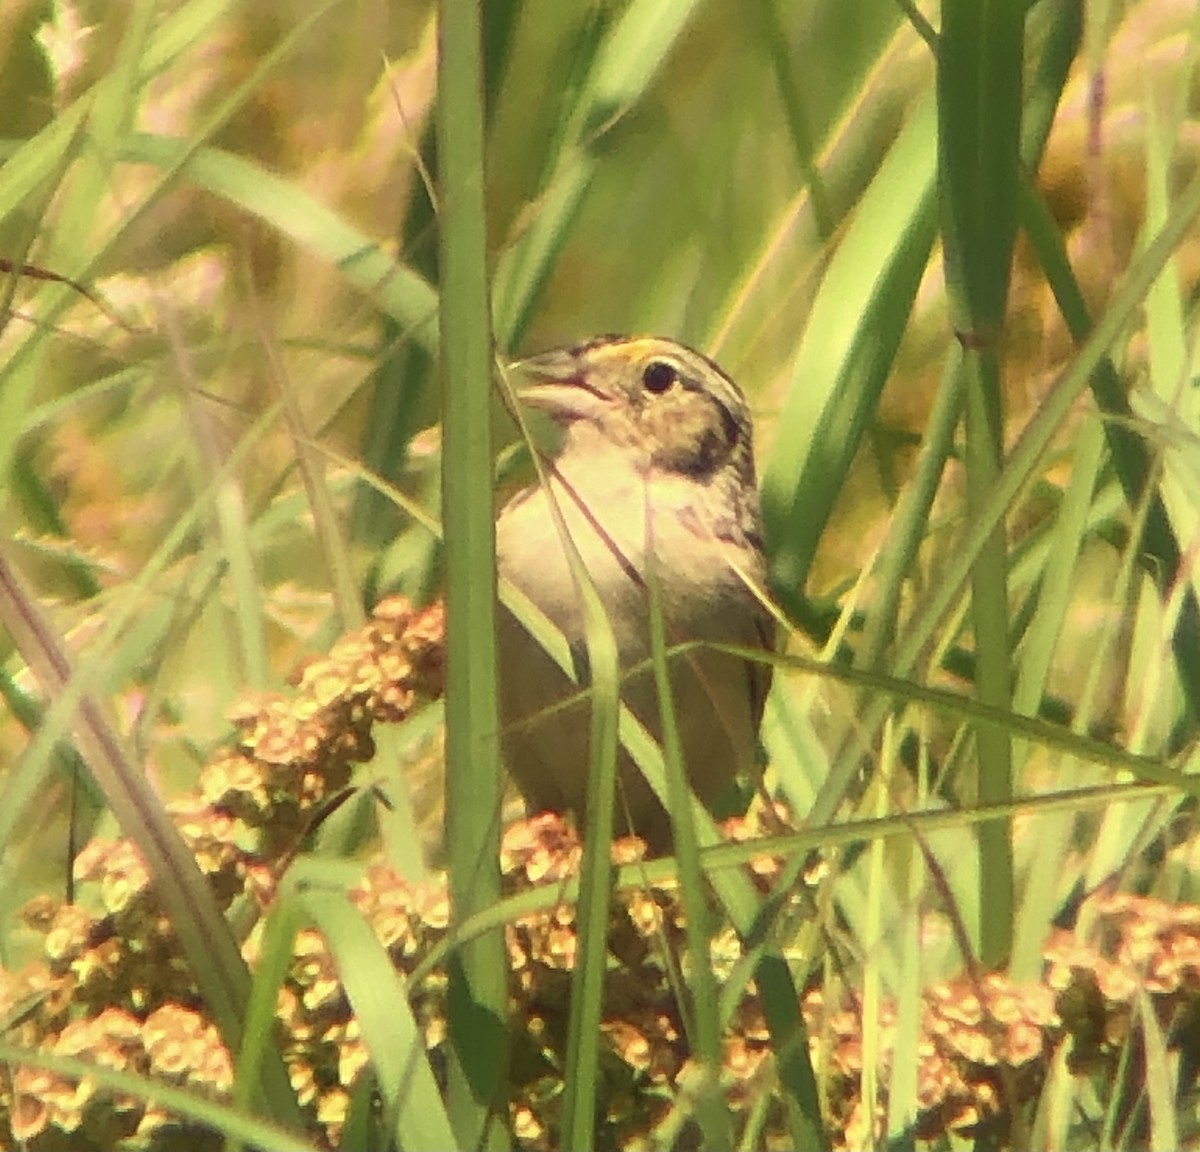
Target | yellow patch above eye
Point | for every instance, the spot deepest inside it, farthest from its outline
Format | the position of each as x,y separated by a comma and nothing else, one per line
642,346
640,351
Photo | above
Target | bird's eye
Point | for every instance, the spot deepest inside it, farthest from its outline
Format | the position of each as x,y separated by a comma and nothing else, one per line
659,376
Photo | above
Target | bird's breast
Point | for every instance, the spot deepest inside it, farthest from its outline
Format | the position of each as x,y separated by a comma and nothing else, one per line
614,526
611,525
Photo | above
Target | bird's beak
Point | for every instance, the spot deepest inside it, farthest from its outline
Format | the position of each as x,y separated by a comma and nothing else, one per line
557,385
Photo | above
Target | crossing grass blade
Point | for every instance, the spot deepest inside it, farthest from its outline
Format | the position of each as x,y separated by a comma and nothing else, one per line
714,1118
290,210
1062,567
237,1126
740,902
204,935
413,1113
581,1074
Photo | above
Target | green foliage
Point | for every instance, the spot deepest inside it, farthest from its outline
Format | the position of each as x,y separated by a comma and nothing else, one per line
952,260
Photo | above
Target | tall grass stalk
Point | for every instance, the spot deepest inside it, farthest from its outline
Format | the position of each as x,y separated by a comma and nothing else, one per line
478,994
979,88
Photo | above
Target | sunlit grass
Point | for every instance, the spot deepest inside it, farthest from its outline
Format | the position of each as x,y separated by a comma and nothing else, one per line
189,494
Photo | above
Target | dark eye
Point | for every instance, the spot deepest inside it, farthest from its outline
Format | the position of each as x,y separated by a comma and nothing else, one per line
659,376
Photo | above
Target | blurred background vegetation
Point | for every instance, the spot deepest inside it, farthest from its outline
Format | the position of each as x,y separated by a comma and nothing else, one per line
218,459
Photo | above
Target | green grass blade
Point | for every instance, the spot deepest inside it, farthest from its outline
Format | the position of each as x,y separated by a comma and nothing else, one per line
909,523
771,32
993,676
623,66
582,1071
278,934
1049,837
706,1024
235,1124
1162,555
979,87
294,213
35,160
1063,35
789,1039
1159,1099
412,1105
478,994
846,354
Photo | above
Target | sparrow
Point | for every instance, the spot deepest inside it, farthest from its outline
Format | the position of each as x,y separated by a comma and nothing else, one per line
654,460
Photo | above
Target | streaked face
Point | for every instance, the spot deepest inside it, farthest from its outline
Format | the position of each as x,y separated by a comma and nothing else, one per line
665,402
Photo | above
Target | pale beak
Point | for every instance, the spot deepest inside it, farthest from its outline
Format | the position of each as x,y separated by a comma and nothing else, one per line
557,386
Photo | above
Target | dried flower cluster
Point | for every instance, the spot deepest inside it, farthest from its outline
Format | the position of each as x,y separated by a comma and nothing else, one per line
112,988
985,1043
173,1044
1146,947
